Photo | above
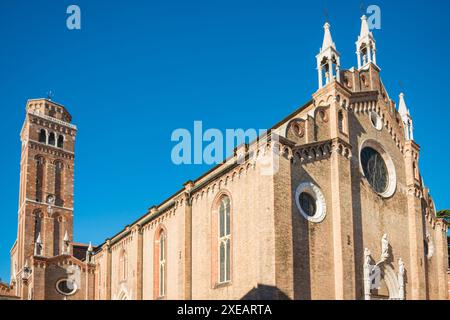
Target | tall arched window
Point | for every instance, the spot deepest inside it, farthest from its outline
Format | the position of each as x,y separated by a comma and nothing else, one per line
40,163
51,139
57,221
58,183
160,263
42,136
123,265
60,141
224,240
37,224
341,121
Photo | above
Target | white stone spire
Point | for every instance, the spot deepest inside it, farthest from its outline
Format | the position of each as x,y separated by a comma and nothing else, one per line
328,59
66,237
327,39
406,117
364,27
402,109
90,249
365,45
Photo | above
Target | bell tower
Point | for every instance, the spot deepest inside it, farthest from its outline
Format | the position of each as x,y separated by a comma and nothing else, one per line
328,60
366,50
45,217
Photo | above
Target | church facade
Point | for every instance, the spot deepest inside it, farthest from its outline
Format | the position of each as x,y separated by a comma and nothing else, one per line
344,213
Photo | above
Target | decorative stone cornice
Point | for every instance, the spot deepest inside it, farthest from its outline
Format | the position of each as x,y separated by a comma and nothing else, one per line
51,119
51,150
312,152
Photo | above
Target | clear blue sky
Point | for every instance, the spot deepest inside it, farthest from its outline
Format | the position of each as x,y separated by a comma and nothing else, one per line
140,69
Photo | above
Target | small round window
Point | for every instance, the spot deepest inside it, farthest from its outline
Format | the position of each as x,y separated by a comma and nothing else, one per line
66,287
310,202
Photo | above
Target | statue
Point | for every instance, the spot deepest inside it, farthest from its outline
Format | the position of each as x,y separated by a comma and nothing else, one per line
384,248
401,278
367,270
367,258
66,244
38,246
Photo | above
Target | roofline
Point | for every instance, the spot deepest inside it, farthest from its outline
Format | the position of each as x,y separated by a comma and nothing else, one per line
48,100
167,203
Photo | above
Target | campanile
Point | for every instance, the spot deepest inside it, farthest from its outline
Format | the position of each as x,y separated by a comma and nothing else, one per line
45,218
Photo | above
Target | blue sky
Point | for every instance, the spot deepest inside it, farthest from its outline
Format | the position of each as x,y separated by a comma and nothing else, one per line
140,69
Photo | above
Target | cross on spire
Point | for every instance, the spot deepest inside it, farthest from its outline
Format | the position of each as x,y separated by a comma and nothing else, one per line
50,95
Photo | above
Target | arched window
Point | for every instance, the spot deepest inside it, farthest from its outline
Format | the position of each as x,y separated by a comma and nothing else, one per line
341,121
224,240
37,224
60,141
160,263
51,139
43,136
59,183
99,283
123,265
57,235
40,163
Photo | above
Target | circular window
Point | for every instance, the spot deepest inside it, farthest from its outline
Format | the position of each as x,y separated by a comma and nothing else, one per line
376,120
378,168
66,287
298,128
310,202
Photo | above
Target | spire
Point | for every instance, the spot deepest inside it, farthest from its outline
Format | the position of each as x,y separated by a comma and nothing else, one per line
402,108
406,117
327,39
66,237
90,249
364,27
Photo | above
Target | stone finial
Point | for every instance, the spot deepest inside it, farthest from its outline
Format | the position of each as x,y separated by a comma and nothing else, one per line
188,185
